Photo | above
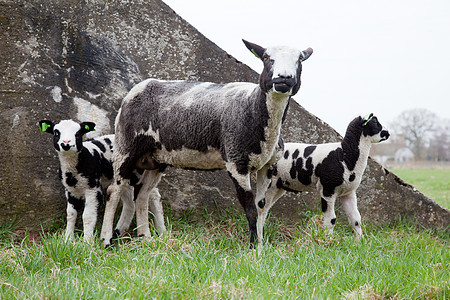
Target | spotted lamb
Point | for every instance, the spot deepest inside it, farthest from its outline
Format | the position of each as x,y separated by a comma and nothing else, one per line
206,126
85,172
333,169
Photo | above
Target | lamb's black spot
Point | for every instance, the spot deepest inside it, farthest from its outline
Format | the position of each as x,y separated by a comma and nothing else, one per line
70,179
350,143
331,171
295,154
324,205
99,145
108,141
333,221
293,170
99,197
116,234
77,203
93,182
304,175
279,183
352,177
286,154
262,203
309,150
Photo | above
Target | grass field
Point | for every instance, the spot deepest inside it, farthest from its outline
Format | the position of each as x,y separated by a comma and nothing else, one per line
211,260
433,183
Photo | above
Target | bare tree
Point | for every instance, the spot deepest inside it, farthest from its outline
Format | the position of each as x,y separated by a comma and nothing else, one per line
417,126
439,148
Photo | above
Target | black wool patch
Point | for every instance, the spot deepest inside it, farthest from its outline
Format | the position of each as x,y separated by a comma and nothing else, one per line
309,150
286,154
324,205
99,145
70,179
293,170
262,203
305,174
331,171
99,197
77,203
352,177
279,183
295,154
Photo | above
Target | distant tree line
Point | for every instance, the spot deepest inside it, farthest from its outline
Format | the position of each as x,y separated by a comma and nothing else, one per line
424,133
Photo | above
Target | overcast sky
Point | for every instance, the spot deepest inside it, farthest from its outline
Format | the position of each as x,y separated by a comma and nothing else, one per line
369,56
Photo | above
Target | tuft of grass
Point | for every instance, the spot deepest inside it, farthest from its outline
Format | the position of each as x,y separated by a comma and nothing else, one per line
433,183
211,259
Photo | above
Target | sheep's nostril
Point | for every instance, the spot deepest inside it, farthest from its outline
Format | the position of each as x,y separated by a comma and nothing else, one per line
66,142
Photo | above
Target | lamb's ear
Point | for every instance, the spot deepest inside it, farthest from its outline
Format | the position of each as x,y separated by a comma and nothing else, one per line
87,127
305,54
366,119
46,126
257,50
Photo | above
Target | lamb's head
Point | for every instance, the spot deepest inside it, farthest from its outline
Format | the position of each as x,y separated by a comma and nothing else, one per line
282,67
372,129
67,134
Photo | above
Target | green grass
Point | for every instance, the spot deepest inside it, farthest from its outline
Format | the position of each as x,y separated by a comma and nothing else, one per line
211,260
433,183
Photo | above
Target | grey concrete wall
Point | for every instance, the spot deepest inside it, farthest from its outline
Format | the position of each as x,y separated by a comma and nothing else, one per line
65,59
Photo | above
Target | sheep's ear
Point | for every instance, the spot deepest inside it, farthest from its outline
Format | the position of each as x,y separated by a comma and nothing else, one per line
46,126
305,54
257,50
366,119
87,127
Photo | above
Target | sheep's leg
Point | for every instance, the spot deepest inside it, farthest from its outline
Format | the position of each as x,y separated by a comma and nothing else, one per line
71,218
127,214
272,196
329,216
90,213
149,181
114,191
245,196
157,210
350,206
262,183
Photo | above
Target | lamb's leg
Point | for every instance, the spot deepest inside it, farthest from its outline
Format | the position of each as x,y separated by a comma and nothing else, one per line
262,183
71,218
329,216
157,210
93,198
149,181
350,206
114,191
245,196
272,196
127,214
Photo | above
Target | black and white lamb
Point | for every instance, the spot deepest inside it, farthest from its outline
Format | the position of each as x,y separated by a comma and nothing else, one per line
206,126
333,169
85,172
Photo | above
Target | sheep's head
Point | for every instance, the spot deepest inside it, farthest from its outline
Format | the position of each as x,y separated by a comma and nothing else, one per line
67,134
373,129
282,67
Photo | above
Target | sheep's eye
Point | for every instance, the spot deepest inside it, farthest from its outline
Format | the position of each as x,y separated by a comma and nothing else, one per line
57,133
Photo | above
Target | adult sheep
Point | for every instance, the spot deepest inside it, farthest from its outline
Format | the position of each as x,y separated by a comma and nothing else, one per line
206,126
334,170
86,171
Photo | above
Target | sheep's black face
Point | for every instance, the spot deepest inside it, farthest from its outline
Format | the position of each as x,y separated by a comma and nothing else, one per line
282,67
373,129
67,134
